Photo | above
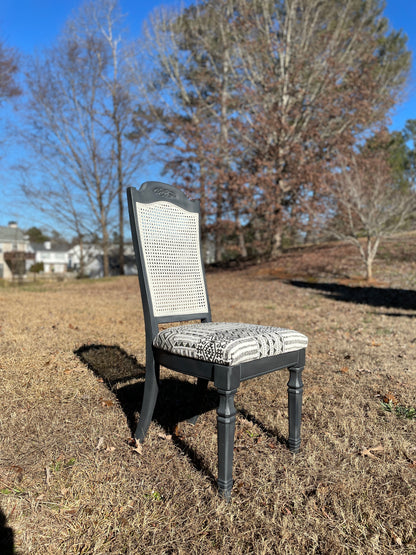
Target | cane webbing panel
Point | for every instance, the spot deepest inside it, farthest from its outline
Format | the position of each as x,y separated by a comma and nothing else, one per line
169,237
229,343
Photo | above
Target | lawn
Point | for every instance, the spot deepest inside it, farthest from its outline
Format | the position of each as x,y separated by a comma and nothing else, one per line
72,374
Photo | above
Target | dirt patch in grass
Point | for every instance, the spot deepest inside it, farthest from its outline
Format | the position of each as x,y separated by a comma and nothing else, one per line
72,362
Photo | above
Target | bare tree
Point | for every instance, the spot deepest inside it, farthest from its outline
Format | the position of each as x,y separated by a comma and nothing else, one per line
104,21
368,204
77,116
64,91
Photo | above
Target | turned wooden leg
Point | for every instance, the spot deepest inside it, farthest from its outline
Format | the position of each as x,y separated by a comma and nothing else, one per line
226,427
294,390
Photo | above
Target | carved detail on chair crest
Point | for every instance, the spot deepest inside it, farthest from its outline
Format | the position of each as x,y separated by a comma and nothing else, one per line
164,193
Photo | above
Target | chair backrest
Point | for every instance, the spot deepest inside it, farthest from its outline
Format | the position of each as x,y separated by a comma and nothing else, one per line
166,237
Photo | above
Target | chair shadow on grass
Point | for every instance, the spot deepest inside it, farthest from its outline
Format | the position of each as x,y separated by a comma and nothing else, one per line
373,296
177,402
6,536
177,399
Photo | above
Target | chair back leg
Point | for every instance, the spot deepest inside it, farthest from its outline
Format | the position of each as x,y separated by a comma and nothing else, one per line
225,429
151,390
295,390
201,388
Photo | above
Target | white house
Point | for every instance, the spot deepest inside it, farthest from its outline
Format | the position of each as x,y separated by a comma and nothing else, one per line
15,253
54,259
93,260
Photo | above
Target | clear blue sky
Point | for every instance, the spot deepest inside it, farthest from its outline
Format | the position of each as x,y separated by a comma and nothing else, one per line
29,25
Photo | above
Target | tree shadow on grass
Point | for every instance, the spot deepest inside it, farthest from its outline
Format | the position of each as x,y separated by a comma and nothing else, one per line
373,296
6,536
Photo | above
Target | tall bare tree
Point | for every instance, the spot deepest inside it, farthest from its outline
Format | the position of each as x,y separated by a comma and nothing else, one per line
105,21
78,113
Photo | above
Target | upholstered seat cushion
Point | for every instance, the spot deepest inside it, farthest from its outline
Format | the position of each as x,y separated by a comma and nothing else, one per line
228,343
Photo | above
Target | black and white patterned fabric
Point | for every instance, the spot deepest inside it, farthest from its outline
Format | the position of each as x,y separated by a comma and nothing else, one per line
228,343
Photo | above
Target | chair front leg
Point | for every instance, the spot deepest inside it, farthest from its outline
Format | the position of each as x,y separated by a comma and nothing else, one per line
225,428
151,390
295,390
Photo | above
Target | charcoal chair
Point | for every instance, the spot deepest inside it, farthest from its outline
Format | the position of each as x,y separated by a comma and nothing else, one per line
166,237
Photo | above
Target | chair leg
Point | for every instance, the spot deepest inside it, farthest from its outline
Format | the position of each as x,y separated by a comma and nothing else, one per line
225,428
295,390
201,387
151,390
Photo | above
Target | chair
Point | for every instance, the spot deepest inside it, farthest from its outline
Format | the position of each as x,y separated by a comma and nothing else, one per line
166,238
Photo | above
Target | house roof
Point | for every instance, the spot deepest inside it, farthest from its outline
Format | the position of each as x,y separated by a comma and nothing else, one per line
9,234
40,247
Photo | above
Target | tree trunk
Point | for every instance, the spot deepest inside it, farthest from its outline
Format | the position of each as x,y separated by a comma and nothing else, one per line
106,261
219,250
370,256
120,187
241,241
369,269
81,257
121,230
105,247
276,242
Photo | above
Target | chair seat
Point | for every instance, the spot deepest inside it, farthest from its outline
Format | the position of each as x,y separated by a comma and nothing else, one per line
228,344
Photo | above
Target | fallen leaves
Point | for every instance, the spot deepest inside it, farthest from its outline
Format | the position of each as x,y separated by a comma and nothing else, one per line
397,539
389,398
106,402
178,432
135,445
48,476
18,470
371,450
100,444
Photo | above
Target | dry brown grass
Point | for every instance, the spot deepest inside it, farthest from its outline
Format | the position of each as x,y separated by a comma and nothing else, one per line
71,363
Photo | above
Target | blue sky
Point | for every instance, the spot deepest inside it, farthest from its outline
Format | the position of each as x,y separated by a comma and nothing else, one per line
31,25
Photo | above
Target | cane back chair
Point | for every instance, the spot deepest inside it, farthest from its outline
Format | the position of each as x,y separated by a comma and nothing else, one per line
166,237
